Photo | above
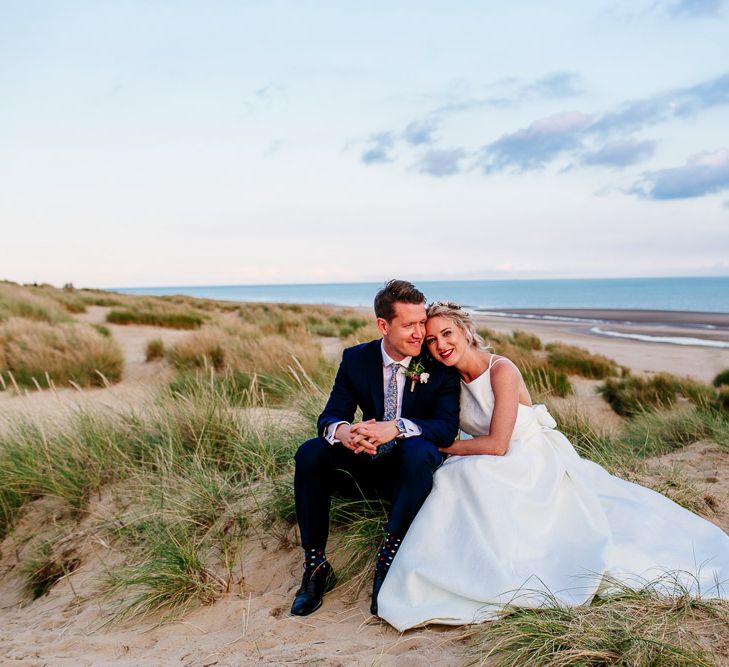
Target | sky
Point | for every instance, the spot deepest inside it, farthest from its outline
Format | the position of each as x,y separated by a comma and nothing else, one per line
152,143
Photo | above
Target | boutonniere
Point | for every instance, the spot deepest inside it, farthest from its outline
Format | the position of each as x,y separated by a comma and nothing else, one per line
416,372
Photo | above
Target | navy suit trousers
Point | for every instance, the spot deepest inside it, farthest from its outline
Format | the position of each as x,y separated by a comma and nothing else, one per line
404,477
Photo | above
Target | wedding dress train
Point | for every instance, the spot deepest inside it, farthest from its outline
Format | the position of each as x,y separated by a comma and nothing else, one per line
539,521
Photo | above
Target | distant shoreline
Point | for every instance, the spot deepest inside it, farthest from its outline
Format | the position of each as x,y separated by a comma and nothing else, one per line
708,295
621,315
688,343
683,318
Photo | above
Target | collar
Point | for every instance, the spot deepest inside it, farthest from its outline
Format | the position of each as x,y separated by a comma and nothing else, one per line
387,359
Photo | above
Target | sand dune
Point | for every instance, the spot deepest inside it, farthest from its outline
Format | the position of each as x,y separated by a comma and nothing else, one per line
251,625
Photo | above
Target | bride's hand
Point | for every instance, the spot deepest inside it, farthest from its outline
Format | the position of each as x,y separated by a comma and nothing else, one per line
458,448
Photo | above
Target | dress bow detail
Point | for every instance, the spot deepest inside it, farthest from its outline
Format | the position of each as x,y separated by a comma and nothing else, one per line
546,421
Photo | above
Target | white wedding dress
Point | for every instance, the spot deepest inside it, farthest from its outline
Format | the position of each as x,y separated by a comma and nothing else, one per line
537,526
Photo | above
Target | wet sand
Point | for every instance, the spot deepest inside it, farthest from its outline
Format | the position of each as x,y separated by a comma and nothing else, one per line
583,327
678,318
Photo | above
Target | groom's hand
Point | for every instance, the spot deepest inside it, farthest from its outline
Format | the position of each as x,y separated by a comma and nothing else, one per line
358,443
374,434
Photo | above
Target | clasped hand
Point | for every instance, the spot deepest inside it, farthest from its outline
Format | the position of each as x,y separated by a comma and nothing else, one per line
366,436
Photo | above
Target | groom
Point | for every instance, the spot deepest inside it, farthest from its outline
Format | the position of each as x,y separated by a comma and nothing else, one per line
410,408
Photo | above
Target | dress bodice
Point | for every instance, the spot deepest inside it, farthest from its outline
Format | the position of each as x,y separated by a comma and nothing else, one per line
477,406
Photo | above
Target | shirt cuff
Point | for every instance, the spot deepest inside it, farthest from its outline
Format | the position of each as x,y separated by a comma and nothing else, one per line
329,432
411,429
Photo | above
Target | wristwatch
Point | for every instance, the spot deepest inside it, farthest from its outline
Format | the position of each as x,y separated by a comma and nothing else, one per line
400,427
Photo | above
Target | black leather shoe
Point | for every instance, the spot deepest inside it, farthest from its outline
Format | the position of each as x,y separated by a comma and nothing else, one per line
313,586
376,586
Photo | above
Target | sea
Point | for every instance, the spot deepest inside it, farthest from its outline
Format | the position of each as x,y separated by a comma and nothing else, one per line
704,294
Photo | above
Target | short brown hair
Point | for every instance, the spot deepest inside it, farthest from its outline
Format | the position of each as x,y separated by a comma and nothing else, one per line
396,291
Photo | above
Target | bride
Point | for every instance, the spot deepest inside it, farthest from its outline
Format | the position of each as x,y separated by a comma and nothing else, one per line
516,516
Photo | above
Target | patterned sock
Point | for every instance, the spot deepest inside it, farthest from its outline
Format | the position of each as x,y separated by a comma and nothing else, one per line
313,558
387,552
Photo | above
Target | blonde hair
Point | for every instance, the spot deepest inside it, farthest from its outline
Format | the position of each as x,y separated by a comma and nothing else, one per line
461,318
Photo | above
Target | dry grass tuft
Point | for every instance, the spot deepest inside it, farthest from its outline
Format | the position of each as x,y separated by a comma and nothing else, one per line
241,351
38,353
660,623
673,484
155,349
24,302
577,361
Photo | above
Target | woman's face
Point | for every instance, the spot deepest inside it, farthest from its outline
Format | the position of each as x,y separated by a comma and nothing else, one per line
445,340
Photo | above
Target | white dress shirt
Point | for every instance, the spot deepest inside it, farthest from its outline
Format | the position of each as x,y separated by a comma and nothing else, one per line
411,429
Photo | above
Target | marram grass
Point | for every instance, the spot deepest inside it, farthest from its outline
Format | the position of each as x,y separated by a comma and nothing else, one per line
656,624
167,573
39,353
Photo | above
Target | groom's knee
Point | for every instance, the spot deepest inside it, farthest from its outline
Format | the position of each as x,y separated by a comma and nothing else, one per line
419,456
312,454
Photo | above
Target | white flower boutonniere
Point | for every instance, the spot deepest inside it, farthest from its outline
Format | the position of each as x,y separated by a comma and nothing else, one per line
416,373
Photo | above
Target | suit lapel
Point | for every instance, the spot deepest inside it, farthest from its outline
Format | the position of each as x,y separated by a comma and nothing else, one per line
374,373
408,397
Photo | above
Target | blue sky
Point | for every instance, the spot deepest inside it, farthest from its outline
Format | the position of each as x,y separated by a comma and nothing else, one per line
169,143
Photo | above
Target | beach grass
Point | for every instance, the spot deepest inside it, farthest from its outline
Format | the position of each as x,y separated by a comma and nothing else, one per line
632,394
657,432
167,572
37,353
526,340
578,361
674,484
172,320
625,626
722,379
22,302
154,349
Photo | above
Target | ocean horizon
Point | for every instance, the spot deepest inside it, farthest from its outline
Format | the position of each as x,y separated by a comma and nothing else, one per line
697,294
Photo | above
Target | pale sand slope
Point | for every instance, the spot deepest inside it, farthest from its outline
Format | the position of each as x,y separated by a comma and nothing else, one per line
251,625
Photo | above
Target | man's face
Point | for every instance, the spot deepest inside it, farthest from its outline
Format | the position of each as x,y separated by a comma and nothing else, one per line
403,335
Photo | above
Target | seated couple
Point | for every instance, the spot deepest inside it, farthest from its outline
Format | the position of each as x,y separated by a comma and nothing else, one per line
512,515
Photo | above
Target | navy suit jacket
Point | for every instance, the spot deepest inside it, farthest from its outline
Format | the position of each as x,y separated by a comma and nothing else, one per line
432,405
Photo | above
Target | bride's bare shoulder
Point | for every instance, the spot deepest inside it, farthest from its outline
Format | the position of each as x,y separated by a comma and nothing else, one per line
504,369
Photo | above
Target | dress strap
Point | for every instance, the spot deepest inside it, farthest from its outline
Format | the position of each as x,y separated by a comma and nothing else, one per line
493,361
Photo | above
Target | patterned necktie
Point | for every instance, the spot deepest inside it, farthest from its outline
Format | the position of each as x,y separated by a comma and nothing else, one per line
390,406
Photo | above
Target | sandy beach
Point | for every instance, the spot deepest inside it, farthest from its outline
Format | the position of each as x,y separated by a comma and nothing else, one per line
251,625
577,327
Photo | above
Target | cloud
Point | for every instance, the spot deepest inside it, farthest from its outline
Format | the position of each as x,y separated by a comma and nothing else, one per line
536,145
636,114
620,154
555,85
419,133
695,8
702,174
605,139
441,162
546,139
510,92
380,148
705,95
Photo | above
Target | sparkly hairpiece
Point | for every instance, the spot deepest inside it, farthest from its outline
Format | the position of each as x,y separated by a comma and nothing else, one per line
446,304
